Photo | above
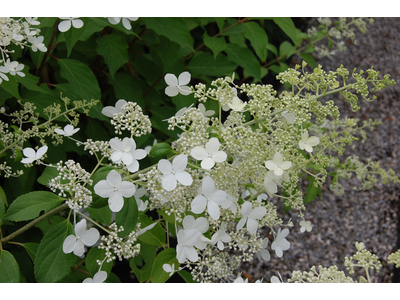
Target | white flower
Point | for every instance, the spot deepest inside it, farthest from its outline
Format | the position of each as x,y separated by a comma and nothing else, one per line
125,151
37,43
305,226
278,165
125,21
289,117
64,26
32,21
32,155
210,154
306,143
12,67
275,279
115,190
140,192
82,238
263,253
177,85
221,237
239,279
236,104
250,217
174,172
281,244
68,130
271,181
205,113
110,111
260,198
169,269
99,277
209,198
2,75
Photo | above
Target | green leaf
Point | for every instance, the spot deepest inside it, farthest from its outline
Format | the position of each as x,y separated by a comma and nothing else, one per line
216,44
287,25
31,83
154,236
103,214
161,149
257,37
11,86
3,203
9,269
49,223
32,249
142,264
48,174
220,22
91,264
51,263
167,53
312,191
286,49
126,87
83,83
73,35
245,58
273,49
29,206
127,216
173,28
114,49
282,67
186,276
204,64
167,256
309,59
93,25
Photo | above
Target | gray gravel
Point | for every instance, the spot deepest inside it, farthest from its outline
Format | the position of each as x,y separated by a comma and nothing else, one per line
368,216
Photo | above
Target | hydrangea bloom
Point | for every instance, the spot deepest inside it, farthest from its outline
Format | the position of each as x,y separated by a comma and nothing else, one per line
205,113
210,154
289,117
221,237
12,67
209,198
236,104
115,190
306,143
264,253
68,130
280,244
177,85
252,192
305,226
99,277
37,43
125,151
251,217
32,155
278,165
174,172
76,243
65,25
110,111
125,21
169,269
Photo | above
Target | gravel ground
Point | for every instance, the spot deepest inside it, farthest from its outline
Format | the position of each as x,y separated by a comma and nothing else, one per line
368,216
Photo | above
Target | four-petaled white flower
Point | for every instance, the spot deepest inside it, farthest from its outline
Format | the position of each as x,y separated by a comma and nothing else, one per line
205,113
271,181
209,198
263,253
278,165
125,21
99,277
12,67
174,172
65,25
115,190
110,111
68,130
177,85
189,237
221,237
251,217
169,269
280,244
210,154
76,243
125,151
37,43
32,155
236,104
305,226
306,143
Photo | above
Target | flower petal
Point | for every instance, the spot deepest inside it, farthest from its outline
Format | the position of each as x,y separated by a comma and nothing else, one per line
286,165
171,80
103,189
270,165
164,166
185,90
64,26
213,210
133,166
184,78
313,141
79,248
219,156
29,152
207,163
77,23
90,237
252,225
116,202
198,204
180,162
212,146
171,91
201,224
199,153
246,209
278,158
113,178
139,154
126,189
100,277
188,222
241,223
258,212
69,244
208,186
80,227
169,182
184,178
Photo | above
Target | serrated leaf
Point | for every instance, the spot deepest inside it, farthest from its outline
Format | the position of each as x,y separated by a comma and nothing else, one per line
167,256
9,269
204,64
31,83
173,28
31,248
29,206
287,25
216,44
257,37
127,216
161,149
51,263
245,58
114,49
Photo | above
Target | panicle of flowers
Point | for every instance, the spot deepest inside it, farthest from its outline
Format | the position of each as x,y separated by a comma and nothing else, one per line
72,179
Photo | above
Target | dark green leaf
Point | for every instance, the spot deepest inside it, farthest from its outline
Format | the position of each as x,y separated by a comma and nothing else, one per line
220,22
48,174
29,206
245,58
287,25
154,236
309,59
32,249
126,87
11,86
103,214
142,264
113,47
173,28
91,264
94,25
72,35
257,37
216,44
167,53
312,191
273,49
161,149
186,276
51,263
49,223
167,256
31,83
127,216
204,64
9,269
